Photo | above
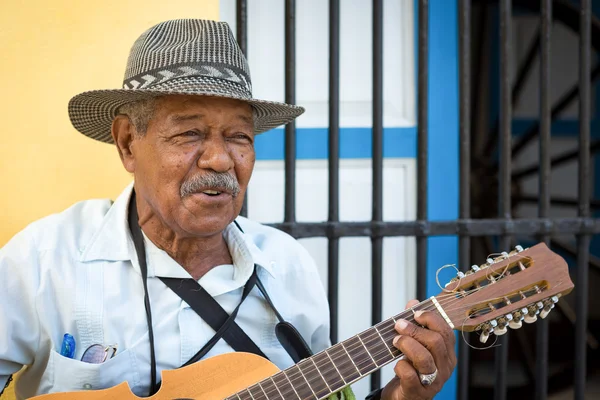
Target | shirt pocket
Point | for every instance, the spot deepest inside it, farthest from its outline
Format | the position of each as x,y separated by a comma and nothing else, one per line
73,375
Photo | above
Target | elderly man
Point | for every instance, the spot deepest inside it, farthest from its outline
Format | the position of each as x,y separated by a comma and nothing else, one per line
169,274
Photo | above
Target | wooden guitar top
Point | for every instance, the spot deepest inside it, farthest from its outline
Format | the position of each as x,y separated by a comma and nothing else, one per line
212,379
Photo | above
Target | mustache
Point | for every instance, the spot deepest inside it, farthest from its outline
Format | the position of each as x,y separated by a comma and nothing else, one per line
221,181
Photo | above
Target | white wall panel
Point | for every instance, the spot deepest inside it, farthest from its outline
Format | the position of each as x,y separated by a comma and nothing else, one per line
265,204
266,58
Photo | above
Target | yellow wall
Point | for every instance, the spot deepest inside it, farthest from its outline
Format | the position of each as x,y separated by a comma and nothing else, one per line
50,51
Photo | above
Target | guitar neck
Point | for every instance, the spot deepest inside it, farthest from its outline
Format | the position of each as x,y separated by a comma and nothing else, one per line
329,371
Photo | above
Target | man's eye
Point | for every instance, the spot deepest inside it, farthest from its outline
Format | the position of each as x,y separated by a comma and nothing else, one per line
242,136
190,133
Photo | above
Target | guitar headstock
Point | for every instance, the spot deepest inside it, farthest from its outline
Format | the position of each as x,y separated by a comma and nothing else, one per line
506,290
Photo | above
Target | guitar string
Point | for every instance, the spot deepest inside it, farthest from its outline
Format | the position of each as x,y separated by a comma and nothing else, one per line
373,356
382,334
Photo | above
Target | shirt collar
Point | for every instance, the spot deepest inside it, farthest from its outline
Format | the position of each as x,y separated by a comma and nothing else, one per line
113,242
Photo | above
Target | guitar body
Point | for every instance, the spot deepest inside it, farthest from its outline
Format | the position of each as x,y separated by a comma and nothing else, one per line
212,379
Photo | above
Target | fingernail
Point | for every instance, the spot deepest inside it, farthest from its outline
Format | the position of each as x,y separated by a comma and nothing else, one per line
395,341
402,324
418,313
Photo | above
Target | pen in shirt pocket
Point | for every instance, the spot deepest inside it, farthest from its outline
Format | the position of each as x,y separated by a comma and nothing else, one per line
67,349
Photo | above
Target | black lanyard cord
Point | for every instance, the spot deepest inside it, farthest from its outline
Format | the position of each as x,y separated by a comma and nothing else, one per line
138,241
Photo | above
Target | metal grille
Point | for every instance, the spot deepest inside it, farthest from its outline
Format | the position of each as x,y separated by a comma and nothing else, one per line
503,227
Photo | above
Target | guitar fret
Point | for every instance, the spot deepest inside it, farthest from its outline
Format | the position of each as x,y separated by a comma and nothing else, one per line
276,387
320,374
251,395
344,383
368,352
315,379
377,347
307,382
263,390
384,342
285,385
299,383
361,357
345,366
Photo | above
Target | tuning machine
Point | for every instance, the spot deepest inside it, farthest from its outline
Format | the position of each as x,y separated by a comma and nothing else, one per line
532,312
548,306
518,317
503,322
487,328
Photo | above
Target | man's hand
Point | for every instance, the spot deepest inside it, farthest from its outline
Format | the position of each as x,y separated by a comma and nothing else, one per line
426,350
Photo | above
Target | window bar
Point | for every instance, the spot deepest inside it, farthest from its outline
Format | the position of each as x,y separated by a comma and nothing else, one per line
541,362
377,168
504,193
583,242
290,98
464,21
241,27
422,143
334,163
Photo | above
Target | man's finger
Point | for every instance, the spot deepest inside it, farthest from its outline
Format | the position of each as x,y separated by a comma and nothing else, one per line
420,357
435,322
409,380
431,340
411,303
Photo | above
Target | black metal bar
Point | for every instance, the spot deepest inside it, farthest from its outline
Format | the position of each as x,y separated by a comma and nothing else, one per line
464,242
560,106
504,192
241,28
522,75
377,168
475,227
541,361
422,143
334,162
290,98
555,162
583,242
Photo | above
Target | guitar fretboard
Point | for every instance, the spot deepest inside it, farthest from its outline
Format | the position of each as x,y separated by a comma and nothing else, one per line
327,372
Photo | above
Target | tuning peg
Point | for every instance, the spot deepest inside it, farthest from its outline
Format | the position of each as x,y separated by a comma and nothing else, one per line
519,248
475,268
548,306
530,319
515,324
485,335
504,254
532,312
500,331
544,313
518,316
490,261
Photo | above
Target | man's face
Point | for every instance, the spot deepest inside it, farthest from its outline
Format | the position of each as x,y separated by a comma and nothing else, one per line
189,140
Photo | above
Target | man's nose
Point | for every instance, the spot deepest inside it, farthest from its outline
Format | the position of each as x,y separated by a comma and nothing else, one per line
216,156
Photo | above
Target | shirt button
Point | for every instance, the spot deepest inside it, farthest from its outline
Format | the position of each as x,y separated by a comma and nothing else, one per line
87,386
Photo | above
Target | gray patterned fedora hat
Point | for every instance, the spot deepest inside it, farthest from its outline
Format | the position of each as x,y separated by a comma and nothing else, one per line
184,56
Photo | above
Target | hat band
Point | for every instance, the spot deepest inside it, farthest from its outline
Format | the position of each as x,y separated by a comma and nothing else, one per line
161,75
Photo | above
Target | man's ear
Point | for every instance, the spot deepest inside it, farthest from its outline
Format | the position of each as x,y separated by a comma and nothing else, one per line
123,133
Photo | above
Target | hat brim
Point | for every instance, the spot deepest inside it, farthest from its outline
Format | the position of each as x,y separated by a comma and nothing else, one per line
92,112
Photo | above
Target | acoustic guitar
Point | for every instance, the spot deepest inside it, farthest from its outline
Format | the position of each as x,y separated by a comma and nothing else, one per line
499,294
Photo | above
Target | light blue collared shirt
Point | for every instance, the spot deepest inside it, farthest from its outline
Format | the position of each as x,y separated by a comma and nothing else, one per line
77,272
